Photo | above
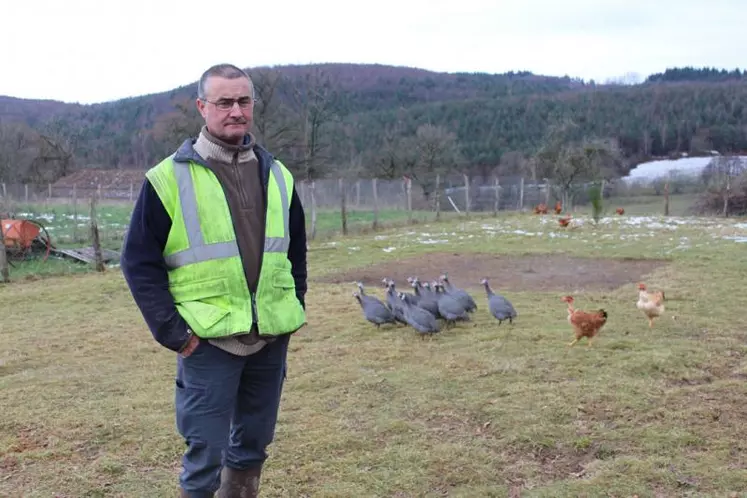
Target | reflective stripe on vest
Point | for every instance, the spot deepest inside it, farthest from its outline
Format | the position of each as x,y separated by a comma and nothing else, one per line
198,250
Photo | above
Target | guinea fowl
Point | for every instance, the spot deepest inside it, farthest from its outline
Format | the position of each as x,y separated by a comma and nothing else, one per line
426,299
394,303
459,294
374,310
449,307
499,306
418,318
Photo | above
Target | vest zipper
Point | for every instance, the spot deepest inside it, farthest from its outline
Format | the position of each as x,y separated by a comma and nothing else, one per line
254,310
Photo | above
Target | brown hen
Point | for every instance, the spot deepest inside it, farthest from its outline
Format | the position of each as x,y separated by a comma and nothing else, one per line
585,323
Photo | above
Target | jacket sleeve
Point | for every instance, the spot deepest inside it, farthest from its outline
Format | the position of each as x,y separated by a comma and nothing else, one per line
297,247
145,270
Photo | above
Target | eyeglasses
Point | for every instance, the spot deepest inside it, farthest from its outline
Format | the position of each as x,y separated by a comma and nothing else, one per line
227,104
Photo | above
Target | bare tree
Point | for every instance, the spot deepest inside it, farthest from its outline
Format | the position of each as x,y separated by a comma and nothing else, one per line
567,161
437,151
54,159
314,105
18,148
395,155
314,102
721,174
272,125
172,128
514,163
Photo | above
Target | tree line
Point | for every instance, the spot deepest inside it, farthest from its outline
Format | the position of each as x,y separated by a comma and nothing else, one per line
337,120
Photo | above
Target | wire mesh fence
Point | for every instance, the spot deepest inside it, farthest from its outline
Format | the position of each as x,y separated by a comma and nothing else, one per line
331,204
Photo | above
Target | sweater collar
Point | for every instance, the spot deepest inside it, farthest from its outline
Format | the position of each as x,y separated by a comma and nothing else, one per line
210,147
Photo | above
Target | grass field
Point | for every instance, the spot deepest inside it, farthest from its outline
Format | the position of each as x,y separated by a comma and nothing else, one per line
479,410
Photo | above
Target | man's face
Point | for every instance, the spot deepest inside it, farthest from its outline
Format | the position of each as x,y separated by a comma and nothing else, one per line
228,109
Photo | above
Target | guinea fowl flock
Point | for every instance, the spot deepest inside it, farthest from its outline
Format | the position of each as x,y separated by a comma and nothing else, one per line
431,306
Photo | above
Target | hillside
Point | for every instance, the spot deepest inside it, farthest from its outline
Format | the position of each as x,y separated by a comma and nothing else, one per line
358,107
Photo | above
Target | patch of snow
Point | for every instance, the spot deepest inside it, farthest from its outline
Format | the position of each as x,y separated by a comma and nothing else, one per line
389,249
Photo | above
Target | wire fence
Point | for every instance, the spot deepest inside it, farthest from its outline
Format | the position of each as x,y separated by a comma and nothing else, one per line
457,192
332,205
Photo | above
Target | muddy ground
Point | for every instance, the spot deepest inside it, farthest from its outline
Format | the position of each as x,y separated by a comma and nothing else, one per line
514,273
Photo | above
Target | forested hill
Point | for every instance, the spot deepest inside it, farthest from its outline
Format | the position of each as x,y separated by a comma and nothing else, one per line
341,114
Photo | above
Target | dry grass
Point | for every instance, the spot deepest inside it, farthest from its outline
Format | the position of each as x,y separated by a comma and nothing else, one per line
479,410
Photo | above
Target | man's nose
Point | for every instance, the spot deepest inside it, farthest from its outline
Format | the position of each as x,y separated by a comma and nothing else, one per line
235,110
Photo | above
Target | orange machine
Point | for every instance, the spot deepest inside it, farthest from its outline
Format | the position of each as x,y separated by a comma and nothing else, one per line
20,237
19,234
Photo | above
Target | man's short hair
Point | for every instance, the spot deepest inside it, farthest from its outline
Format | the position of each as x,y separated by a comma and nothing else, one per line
228,71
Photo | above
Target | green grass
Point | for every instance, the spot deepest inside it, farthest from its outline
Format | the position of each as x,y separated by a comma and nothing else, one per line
480,410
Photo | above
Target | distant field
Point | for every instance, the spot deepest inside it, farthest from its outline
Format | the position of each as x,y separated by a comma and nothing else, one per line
480,410
70,229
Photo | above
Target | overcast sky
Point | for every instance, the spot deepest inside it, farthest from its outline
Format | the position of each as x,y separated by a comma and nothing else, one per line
93,51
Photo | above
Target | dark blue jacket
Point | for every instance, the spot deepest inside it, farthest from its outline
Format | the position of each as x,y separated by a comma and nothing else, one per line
144,267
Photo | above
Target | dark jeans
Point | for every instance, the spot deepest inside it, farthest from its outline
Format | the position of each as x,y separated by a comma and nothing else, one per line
226,410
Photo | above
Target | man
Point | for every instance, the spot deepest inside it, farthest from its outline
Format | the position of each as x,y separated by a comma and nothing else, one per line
215,258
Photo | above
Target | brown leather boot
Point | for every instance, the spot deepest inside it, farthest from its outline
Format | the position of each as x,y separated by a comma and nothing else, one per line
239,483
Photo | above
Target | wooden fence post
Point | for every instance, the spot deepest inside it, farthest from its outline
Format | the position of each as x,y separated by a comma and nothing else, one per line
408,190
375,204
312,195
343,210
4,269
466,195
497,203
437,193
98,257
75,213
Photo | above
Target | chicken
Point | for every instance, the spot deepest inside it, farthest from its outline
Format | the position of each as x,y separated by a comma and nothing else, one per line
540,208
651,303
585,323
558,208
564,221
620,211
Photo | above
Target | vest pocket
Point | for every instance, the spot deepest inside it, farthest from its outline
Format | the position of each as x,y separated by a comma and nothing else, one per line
205,314
282,279
190,301
195,290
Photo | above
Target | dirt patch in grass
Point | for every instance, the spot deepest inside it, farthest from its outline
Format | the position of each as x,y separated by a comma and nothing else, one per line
556,272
